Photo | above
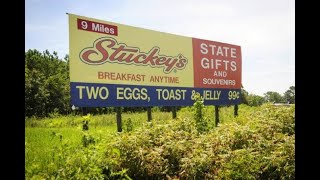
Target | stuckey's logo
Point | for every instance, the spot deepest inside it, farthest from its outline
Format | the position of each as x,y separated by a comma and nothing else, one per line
107,49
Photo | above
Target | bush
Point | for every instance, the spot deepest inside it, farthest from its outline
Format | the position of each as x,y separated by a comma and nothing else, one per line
259,146
198,114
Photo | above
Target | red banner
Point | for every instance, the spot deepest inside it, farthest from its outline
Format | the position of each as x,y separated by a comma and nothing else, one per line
216,65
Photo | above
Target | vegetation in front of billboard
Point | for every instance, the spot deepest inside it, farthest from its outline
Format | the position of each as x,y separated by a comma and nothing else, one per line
201,120
63,144
258,144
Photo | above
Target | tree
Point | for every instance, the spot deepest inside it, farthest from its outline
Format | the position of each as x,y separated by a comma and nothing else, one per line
46,83
289,95
273,97
255,100
244,96
36,95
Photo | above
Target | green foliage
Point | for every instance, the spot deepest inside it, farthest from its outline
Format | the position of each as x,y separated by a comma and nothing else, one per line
46,84
87,139
50,141
255,100
290,95
198,114
149,152
128,125
64,157
244,96
273,97
258,144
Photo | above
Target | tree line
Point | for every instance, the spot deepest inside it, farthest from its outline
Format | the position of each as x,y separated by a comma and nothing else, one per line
270,96
47,88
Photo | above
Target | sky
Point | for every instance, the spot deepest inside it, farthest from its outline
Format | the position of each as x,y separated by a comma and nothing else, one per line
264,29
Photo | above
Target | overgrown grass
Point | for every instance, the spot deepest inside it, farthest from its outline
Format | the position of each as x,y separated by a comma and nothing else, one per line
50,142
226,113
94,121
259,143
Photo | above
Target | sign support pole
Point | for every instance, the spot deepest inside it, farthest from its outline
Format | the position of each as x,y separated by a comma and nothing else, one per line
119,124
216,112
236,110
149,113
174,112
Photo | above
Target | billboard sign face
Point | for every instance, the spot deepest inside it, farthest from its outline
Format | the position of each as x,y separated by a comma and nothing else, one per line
118,65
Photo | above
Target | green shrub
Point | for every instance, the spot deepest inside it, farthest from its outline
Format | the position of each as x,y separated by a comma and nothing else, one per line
199,114
128,125
258,144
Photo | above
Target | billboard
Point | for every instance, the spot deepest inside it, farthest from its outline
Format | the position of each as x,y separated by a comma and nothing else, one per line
113,64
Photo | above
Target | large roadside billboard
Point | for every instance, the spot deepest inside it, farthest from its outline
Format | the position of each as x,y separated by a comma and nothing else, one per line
113,64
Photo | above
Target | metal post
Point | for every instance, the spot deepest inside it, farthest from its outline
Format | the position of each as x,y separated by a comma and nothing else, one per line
216,111
149,114
119,124
174,112
236,110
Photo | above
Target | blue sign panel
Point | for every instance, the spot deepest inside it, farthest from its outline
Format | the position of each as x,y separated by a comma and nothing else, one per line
105,95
